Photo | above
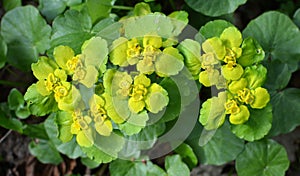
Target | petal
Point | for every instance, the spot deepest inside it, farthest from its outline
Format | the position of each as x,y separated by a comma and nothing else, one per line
118,54
157,98
261,98
90,77
231,37
170,62
84,138
233,73
235,86
240,117
62,54
43,68
136,106
214,45
104,128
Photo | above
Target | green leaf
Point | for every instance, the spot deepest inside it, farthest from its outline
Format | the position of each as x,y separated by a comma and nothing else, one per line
45,152
35,131
149,24
16,103
215,7
175,166
187,154
27,35
51,8
212,29
3,52
108,29
262,158
296,17
129,168
252,52
15,99
11,4
285,111
221,148
71,29
38,104
258,125
279,43
135,123
71,148
99,9
97,155
173,108
141,9
91,164
10,122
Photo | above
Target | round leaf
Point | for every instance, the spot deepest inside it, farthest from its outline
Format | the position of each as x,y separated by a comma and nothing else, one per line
3,52
262,158
175,166
26,34
221,148
215,7
279,43
258,125
286,109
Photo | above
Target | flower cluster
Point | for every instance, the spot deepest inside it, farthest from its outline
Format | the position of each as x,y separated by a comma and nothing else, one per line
231,64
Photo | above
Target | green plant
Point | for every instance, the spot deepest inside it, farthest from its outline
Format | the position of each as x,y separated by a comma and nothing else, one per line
115,87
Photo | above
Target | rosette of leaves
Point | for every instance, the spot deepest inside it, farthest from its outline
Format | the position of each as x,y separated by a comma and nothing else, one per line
231,64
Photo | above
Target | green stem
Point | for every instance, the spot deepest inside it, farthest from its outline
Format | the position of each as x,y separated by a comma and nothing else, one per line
10,83
122,7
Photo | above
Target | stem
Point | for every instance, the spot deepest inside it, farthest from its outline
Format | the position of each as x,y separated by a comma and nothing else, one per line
5,136
10,83
122,7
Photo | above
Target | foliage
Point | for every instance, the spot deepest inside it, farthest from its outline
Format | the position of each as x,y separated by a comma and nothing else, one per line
114,84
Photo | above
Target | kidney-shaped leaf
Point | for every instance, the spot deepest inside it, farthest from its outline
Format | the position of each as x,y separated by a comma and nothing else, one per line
215,7
26,34
262,158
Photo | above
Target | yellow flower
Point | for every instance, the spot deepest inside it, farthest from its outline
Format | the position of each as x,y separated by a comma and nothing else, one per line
241,116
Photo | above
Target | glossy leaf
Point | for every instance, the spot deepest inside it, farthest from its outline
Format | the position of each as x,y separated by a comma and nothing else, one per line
135,123
258,125
285,111
175,166
26,34
262,158
187,154
89,163
279,43
51,8
215,7
15,99
42,149
10,122
35,131
222,147
97,155
296,17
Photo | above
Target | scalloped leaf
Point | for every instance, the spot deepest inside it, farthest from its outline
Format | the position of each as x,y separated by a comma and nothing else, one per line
26,34
258,125
221,147
135,123
70,148
38,104
175,166
3,52
99,9
279,43
262,158
215,7
285,109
